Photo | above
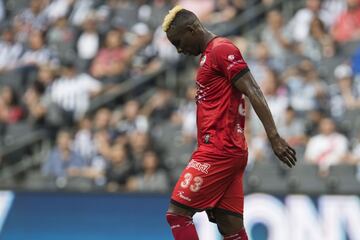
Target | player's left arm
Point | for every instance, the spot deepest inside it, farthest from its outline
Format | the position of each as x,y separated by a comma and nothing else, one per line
231,64
248,86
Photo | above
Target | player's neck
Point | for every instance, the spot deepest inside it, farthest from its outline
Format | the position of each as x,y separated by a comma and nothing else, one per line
208,36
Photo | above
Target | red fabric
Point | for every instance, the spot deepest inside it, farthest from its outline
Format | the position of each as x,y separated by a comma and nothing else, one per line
212,181
182,227
238,236
220,106
14,114
347,26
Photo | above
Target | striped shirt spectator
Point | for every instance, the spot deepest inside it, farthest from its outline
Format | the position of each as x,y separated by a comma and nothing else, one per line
73,91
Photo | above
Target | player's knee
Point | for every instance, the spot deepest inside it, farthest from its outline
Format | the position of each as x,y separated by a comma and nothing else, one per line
228,224
180,211
176,220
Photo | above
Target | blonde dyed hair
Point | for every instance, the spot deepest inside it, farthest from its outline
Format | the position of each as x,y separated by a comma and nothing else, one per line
169,18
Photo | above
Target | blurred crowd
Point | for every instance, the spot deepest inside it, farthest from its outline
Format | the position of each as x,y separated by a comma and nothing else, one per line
56,56
307,68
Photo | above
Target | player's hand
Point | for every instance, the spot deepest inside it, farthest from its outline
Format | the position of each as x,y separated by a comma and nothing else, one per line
283,151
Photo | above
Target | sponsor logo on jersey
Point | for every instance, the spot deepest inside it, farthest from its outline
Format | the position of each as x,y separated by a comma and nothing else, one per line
181,195
234,63
203,60
202,167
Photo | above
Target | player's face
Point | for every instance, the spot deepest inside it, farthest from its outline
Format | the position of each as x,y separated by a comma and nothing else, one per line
186,42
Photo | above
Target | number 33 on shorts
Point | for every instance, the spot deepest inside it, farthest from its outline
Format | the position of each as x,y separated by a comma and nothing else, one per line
196,183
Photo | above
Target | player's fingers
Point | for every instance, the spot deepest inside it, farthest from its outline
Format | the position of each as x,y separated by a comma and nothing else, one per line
285,160
291,158
292,150
291,154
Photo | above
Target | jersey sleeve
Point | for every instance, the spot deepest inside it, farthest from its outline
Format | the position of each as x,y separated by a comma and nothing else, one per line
229,61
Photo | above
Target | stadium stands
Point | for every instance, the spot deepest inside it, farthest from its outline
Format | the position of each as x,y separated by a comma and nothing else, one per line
104,72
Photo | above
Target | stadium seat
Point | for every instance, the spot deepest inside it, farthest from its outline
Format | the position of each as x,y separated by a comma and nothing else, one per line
342,179
304,178
267,177
36,181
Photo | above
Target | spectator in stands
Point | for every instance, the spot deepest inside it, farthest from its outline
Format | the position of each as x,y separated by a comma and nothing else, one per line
83,142
159,107
318,44
140,51
299,25
61,39
345,94
41,112
327,148
63,161
306,89
334,8
153,13
38,54
164,50
10,50
88,43
312,121
36,106
152,179
111,62
347,25
31,19
10,111
223,11
118,169
274,35
102,119
139,143
261,61
202,8
131,119
275,93
258,147
57,9
187,110
73,91
292,129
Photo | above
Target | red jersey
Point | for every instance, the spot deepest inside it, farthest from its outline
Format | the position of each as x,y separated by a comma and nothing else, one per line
220,105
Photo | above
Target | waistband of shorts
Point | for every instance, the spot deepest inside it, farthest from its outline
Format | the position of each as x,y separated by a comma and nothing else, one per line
211,149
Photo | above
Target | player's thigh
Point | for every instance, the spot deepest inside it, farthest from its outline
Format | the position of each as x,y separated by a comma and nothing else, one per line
229,210
233,199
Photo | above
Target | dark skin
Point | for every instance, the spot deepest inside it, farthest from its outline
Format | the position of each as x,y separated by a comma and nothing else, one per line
192,39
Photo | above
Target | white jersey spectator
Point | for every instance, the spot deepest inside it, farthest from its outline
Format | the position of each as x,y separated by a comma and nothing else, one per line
10,51
58,9
328,147
299,25
38,54
73,91
30,19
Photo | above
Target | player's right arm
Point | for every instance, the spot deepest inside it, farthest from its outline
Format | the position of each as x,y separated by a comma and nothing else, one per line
248,86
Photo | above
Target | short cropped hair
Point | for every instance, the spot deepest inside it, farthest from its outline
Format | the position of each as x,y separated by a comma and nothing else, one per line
178,16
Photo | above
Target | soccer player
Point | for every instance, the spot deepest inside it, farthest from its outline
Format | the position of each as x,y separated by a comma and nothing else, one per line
212,180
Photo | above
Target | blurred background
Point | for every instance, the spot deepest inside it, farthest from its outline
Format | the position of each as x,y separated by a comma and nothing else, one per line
97,116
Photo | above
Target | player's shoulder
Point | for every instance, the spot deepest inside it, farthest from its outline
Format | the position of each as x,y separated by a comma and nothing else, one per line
222,44
222,41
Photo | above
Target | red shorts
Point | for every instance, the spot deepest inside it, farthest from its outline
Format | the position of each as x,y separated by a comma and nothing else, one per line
212,181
